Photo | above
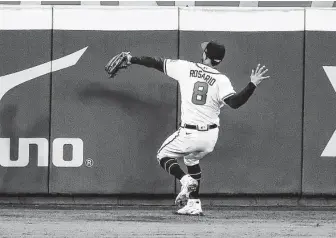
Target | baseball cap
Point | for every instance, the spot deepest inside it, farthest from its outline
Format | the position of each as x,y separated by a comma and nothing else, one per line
214,50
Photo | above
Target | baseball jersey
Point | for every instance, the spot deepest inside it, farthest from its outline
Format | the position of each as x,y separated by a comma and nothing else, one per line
203,90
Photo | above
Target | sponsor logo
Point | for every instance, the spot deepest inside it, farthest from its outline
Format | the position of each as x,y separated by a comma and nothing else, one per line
10,81
42,152
330,149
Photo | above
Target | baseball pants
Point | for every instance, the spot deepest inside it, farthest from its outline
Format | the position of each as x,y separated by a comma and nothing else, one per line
191,144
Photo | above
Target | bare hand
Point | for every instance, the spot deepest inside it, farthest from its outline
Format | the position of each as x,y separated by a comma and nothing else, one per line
257,76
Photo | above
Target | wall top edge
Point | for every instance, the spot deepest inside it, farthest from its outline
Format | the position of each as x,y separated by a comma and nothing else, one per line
190,18
66,18
241,21
242,9
192,8
115,7
86,7
18,7
320,20
321,8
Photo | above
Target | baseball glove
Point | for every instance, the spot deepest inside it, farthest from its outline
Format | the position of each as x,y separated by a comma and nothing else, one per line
120,61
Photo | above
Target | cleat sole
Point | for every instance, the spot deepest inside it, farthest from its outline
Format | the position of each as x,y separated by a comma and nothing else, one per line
194,215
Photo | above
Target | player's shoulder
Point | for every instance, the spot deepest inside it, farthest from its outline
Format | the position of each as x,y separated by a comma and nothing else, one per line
178,62
223,79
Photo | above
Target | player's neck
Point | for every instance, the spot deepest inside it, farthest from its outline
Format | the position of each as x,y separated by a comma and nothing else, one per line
209,65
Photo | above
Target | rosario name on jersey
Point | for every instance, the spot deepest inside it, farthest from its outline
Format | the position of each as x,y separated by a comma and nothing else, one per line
203,90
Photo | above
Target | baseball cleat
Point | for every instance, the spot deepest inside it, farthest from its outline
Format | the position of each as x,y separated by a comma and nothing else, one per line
188,185
193,208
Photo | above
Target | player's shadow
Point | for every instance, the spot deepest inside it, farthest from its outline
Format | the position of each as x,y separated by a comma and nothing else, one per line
148,118
10,129
149,114
7,118
128,101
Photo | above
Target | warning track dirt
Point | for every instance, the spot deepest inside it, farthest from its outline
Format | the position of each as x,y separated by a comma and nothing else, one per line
161,222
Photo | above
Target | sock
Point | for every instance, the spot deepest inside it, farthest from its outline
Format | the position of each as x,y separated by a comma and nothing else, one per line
172,167
195,172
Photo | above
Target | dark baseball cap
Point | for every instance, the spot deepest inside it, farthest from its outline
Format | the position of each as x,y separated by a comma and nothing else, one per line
214,50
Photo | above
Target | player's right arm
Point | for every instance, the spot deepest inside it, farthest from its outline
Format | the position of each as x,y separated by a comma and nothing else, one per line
236,100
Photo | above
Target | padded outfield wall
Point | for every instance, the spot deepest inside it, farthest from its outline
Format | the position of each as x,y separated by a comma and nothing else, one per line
25,42
319,150
122,121
66,128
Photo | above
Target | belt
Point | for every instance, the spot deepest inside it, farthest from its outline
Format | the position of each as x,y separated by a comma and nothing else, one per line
199,128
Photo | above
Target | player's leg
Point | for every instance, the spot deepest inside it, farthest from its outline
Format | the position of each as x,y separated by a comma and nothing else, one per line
204,146
192,161
176,146
167,157
170,165
193,206
195,172
188,184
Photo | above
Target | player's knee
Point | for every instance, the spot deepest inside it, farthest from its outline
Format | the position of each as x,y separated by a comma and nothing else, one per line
159,157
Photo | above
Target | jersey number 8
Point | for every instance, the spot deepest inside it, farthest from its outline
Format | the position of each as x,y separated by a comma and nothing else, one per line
200,93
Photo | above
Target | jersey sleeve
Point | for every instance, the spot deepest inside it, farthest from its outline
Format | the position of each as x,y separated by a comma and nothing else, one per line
225,88
175,68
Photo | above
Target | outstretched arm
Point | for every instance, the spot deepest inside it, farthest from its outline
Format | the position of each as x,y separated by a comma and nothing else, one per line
237,100
151,62
172,68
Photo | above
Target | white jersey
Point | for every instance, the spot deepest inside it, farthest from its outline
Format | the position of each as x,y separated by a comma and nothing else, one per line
203,90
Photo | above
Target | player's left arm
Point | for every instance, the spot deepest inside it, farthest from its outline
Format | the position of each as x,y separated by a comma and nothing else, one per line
238,99
147,61
172,68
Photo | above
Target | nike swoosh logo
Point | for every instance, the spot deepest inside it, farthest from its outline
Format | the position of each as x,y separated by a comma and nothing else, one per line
10,81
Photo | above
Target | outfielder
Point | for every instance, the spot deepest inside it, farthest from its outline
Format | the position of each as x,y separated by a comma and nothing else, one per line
204,91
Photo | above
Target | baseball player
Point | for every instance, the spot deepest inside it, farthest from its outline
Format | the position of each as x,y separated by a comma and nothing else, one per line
204,91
